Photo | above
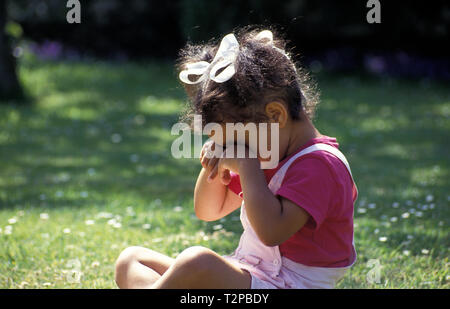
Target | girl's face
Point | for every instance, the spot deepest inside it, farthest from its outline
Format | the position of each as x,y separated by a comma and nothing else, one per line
261,139
267,140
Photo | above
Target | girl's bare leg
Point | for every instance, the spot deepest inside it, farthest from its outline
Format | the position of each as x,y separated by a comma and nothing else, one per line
138,267
201,268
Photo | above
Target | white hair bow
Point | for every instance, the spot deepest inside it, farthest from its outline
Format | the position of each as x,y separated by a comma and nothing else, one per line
225,58
267,36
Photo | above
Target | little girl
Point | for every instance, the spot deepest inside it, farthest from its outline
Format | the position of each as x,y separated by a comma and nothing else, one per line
297,217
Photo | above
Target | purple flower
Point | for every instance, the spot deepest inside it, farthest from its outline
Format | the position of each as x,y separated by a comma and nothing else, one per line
48,50
375,64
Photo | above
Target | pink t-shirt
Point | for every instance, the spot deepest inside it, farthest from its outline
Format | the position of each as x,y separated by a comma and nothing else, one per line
319,183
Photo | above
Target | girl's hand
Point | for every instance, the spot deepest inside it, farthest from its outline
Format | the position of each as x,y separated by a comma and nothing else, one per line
207,148
233,163
210,160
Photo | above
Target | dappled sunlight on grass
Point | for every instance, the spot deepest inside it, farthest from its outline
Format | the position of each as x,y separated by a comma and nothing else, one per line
86,171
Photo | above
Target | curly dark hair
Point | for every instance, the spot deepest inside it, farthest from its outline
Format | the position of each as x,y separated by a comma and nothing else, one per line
264,73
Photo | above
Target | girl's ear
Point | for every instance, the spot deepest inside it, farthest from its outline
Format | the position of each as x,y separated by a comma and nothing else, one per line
277,112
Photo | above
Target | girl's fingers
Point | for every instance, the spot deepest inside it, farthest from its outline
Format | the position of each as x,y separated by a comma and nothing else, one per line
202,154
211,163
225,177
204,161
207,151
213,173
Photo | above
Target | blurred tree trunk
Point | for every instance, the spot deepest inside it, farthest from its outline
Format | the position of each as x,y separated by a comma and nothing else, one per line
9,84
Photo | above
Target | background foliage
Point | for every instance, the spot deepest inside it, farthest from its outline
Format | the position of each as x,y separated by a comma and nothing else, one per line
151,27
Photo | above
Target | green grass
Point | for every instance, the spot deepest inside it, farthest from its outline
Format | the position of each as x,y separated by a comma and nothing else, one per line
96,146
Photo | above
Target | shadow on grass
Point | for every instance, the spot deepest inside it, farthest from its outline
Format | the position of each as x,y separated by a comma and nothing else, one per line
105,128
112,137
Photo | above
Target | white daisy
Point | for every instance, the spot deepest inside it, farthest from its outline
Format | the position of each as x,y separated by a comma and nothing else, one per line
8,230
383,239
139,120
104,215
157,202
95,264
116,138
112,221
23,284
130,211
44,216
117,225
134,158
217,227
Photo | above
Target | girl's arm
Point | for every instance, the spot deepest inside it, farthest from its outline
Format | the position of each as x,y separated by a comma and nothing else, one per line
212,198
274,220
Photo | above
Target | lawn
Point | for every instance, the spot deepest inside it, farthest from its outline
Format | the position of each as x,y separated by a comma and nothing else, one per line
86,171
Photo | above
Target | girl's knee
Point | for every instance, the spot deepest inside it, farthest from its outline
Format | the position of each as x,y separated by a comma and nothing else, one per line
123,262
195,260
128,255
